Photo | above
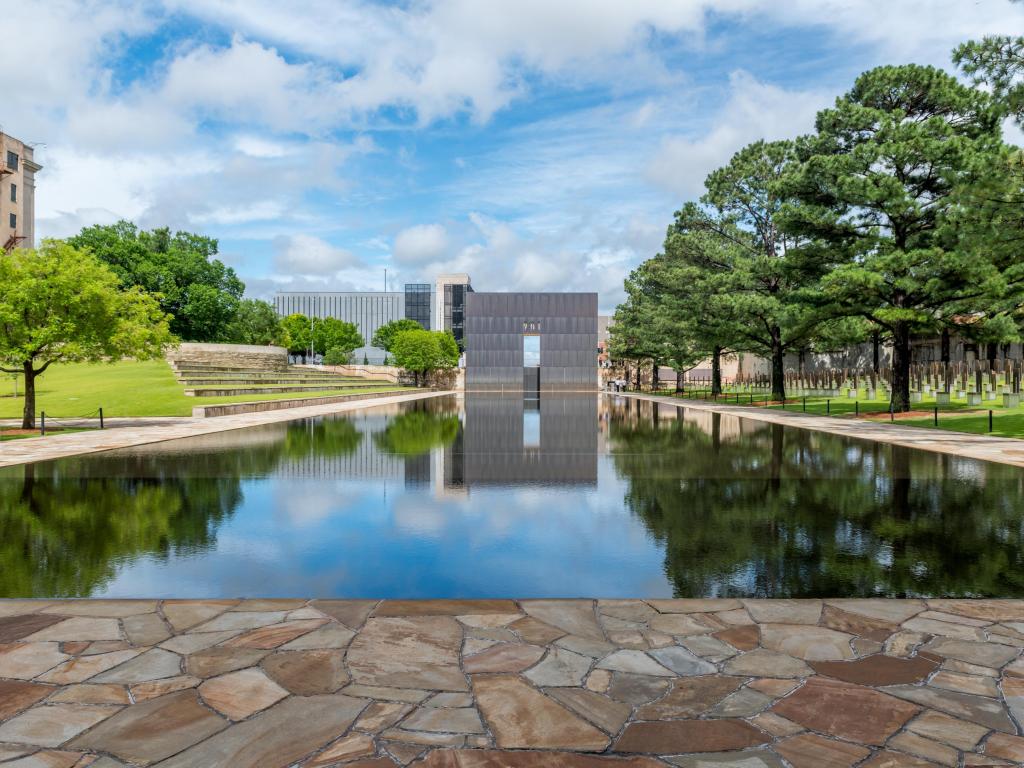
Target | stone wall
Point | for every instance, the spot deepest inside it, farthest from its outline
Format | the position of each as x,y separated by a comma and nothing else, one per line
229,355
447,379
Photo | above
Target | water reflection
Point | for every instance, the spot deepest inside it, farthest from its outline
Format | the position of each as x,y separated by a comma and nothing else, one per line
497,496
748,508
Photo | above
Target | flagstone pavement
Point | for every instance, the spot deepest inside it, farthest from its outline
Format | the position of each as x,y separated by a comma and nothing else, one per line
488,683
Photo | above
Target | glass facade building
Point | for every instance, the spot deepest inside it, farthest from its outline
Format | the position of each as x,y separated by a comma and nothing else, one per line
417,303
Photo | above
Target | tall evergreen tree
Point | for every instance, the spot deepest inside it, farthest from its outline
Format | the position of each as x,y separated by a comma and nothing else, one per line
878,187
768,284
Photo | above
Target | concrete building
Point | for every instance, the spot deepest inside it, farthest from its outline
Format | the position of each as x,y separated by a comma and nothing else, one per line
17,194
450,304
368,310
436,306
531,342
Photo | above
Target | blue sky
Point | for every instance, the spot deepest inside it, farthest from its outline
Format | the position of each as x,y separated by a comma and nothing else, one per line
536,144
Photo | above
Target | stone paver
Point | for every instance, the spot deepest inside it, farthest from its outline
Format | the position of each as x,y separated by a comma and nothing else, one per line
458,683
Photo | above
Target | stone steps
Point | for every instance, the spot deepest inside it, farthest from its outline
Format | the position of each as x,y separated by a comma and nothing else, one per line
212,380
258,390
189,381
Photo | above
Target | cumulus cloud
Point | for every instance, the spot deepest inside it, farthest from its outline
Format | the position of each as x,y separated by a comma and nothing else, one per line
308,255
421,244
754,110
262,131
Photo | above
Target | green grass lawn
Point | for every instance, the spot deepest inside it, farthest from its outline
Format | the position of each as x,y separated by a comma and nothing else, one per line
127,388
956,417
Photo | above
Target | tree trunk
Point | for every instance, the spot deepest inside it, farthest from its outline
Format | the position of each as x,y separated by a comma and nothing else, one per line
28,417
679,380
901,368
638,365
944,346
876,343
778,372
716,371
654,376
992,352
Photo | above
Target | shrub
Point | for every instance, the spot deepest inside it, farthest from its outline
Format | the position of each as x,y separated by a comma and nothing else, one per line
337,356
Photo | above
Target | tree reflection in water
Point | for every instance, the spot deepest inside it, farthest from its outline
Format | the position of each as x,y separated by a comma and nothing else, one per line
66,526
753,509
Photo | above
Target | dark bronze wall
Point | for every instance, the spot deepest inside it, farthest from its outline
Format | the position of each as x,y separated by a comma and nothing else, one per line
497,322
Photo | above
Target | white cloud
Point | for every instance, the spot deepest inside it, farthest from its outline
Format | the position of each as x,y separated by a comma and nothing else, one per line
420,244
754,110
309,256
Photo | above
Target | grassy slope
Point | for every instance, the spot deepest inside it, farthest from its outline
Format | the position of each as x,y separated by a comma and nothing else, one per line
956,417
126,388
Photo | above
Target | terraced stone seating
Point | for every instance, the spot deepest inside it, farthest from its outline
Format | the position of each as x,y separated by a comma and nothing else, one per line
209,380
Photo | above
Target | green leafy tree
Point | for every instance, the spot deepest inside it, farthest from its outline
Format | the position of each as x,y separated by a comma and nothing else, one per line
996,62
767,285
993,211
337,356
633,334
198,291
449,349
418,352
384,336
699,318
255,322
297,333
878,186
59,304
331,333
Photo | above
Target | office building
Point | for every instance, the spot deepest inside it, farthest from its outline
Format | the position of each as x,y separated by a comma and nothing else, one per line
450,293
17,194
436,306
368,310
531,342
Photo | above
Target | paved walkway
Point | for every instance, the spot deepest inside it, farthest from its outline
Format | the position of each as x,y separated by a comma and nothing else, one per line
31,449
1003,450
491,683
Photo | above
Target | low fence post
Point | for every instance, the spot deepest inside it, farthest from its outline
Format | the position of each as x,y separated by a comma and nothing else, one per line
856,407
101,418
42,422
828,407
990,421
936,415
805,403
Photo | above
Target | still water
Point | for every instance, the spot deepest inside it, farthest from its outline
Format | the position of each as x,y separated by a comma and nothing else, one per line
489,496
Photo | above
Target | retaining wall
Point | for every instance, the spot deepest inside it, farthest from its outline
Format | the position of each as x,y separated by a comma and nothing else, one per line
232,409
232,355
446,379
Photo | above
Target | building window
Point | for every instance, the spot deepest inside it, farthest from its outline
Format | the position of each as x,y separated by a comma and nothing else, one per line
12,160
14,193
14,221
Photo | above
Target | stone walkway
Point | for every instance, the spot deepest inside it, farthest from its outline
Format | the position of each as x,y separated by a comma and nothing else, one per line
1004,450
489,683
58,446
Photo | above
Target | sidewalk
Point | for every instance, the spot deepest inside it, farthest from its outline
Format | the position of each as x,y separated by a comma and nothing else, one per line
1003,450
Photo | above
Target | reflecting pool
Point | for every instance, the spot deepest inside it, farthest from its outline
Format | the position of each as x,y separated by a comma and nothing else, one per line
494,496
